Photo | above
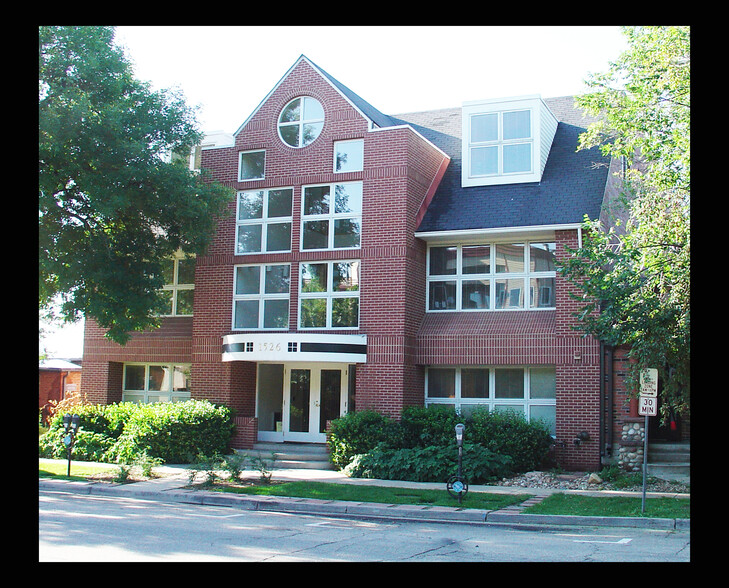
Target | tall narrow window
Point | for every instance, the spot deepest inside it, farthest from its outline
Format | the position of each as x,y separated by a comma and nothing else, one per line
179,288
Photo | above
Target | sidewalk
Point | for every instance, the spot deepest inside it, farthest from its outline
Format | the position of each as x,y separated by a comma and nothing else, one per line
171,488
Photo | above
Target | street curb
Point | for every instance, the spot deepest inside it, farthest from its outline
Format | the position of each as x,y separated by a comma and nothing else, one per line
589,521
310,506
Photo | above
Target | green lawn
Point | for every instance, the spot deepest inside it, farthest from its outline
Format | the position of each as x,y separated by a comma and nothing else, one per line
83,471
612,506
562,504
381,494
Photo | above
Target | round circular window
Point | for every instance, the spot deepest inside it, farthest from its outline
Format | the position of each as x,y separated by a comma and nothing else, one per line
301,121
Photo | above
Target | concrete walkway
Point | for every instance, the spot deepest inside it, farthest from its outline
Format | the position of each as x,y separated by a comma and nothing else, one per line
172,486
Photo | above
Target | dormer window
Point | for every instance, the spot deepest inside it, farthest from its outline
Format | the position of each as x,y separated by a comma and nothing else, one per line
301,121
506,141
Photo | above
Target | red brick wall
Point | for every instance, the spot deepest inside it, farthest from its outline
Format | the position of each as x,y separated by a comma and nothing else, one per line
399,169
103,359
51,384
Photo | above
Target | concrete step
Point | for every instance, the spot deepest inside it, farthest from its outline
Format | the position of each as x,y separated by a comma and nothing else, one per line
669,461
311,456
669,452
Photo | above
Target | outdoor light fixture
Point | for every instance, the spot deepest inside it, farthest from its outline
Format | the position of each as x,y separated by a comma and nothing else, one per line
581,436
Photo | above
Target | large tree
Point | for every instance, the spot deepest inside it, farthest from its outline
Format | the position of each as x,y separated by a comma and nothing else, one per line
114,202
634,277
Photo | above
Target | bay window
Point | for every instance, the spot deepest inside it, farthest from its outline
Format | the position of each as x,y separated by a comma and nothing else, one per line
491,276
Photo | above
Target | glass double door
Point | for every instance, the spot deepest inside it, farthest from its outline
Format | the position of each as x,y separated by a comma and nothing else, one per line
295,401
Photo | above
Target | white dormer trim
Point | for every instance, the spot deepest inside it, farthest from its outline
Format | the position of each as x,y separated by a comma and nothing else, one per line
483,156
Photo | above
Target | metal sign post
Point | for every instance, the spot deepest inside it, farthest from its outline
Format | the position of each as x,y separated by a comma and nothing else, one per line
648,406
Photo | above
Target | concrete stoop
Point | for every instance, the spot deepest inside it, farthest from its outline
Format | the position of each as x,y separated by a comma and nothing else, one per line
311,456
670,461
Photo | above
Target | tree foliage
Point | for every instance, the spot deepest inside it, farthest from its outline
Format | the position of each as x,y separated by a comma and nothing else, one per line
634,278
113,201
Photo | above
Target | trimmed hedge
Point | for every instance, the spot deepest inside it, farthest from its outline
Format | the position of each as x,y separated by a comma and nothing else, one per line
123,433
357,433
430,464
426,435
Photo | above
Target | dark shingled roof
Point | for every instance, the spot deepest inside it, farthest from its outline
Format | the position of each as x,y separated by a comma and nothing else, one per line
572,184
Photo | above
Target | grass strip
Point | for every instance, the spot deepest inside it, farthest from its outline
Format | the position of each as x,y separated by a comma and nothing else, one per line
612,506
80,472
379,494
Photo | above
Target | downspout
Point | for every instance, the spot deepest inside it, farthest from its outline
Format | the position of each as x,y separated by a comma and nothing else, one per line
62,394
603,415
606,398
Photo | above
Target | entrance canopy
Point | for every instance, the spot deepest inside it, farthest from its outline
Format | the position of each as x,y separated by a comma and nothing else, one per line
295,347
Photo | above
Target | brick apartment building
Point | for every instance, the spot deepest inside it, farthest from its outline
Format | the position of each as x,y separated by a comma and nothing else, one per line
376,262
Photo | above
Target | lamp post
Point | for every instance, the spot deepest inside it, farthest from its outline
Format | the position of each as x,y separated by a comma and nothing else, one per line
457,484
70,425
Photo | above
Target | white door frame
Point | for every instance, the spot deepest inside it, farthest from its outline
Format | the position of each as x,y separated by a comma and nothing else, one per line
312,435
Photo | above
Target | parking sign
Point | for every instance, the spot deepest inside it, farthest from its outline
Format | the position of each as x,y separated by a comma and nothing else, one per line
648,406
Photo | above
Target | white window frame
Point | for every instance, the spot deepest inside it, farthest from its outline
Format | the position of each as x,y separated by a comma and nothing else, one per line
331,217
175,287
329,295
491,402
261,297
492,277
532,103
264,221
301,123
143,395
240,166
337,151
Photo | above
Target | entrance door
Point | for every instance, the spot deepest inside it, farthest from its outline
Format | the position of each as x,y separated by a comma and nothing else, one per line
310,395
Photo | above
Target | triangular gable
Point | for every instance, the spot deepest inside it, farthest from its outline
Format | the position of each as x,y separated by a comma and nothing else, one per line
374,117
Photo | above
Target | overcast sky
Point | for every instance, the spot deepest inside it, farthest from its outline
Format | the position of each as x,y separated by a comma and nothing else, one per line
227,71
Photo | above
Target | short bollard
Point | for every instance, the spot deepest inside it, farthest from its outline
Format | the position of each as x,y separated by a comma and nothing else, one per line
457,485
70,425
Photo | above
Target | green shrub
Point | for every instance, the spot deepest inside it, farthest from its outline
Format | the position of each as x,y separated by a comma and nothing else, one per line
358,432
174,431
432,425
509,433
128,432
380,442
430,464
